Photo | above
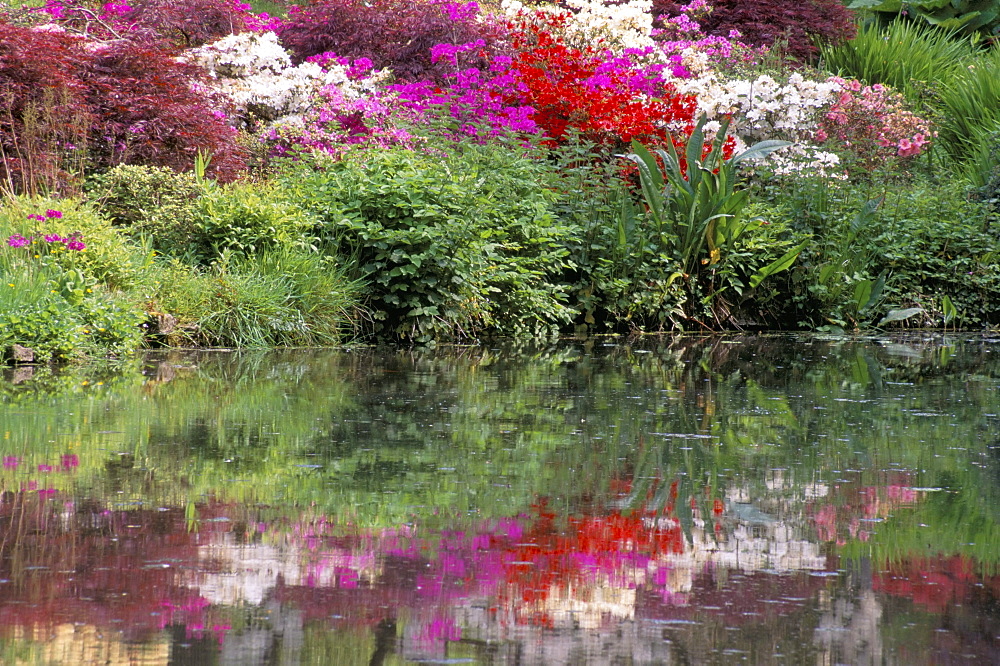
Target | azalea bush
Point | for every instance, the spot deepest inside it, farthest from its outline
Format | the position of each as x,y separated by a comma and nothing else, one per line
613,27
610,101
256,75
873,123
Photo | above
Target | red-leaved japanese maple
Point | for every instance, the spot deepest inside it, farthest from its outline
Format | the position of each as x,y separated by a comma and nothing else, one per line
397,34
185,22
111,102
797,24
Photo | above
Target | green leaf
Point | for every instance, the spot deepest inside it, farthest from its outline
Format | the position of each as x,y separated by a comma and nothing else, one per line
759,150
874,294
948,309
862,294
899,315
866,214
782,264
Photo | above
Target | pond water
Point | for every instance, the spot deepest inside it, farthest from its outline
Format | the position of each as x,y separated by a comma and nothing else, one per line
764,499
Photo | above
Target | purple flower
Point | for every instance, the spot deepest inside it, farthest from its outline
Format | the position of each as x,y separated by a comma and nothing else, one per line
40,218
53,238
45,468
17,240
53,214
70,461
11,462
75,245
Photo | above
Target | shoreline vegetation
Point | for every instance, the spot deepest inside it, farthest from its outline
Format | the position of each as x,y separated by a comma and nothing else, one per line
208,173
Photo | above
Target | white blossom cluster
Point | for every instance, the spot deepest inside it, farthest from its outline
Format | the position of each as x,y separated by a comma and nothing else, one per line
804,160
615,27
623,26
256,73
763,108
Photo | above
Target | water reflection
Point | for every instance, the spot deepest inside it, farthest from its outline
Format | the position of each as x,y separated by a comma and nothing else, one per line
720,499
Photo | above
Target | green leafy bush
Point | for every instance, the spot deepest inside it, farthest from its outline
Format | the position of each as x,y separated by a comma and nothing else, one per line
188,217
963,16
452,245
246,218
881,254
935,243
147,201
50,311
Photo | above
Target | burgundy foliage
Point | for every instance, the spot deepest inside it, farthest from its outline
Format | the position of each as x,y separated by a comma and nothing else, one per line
397,34
185,22
126,102
796,23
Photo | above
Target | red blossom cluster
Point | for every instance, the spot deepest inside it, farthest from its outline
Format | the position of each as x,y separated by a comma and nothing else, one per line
575,90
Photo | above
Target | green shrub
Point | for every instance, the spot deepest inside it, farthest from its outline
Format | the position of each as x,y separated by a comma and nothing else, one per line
453,245
197,220
147,201
247,218
934,242
891,250
45,309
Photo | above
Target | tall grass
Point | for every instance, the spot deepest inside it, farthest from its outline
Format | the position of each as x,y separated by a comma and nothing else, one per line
278,298
969,105
912,58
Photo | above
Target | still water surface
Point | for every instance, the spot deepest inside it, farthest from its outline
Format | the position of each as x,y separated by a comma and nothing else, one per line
760,499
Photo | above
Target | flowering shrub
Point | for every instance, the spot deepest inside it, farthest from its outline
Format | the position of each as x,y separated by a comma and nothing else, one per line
256,74
354,112
608,100
764,108
482,103
873,123
691,52
391,33
614,27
